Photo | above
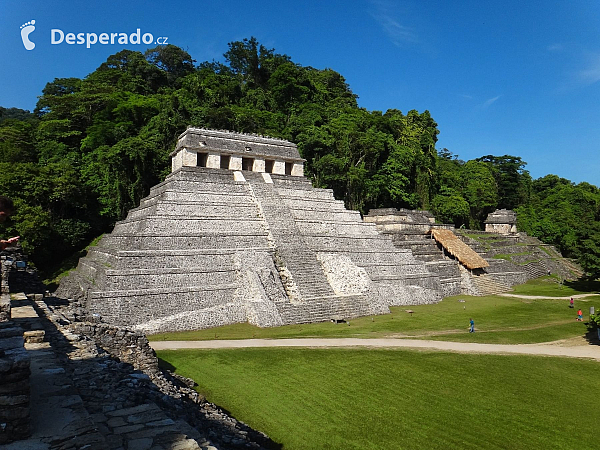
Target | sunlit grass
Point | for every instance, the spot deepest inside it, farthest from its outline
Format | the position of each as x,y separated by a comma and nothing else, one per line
399,399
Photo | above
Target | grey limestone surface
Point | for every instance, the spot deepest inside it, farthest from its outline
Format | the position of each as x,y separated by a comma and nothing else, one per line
236,143
205,249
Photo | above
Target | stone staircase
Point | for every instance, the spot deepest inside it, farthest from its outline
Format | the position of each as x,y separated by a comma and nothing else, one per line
341,238
426,249
534,269
311,297
291,249
409,232
487,284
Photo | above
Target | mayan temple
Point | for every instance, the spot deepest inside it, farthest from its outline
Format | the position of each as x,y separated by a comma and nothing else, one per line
236,233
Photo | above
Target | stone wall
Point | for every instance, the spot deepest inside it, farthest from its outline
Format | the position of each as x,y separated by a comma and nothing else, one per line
116,372
500,228
4,308
15,423
14,383
126,345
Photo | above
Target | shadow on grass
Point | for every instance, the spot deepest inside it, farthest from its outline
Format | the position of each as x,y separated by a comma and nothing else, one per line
592,336
165,365
584,285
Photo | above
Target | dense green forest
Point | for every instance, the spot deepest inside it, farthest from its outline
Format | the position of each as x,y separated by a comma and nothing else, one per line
94,146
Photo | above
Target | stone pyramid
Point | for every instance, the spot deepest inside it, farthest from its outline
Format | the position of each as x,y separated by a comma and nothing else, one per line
236,233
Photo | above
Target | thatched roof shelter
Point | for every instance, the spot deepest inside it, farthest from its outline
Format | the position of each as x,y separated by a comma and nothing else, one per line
457,248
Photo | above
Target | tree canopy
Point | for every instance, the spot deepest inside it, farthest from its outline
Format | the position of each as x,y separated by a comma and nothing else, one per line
94,146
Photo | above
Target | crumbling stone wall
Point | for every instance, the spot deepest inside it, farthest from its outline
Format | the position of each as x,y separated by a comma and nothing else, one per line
131,380
14,379
128,346
4,308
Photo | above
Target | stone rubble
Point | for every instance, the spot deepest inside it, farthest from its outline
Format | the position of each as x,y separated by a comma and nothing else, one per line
105,387
14,384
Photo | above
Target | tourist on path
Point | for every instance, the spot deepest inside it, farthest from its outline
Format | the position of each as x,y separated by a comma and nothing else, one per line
472,326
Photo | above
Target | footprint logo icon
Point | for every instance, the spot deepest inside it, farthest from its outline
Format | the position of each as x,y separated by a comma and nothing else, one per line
26,30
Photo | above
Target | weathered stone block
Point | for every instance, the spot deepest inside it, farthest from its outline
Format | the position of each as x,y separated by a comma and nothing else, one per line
13,400
15,413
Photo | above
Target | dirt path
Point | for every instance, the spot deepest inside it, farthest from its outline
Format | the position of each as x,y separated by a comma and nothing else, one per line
550,349
534,297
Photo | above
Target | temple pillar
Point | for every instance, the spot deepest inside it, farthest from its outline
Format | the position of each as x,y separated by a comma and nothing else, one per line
279,167
235,163
298,170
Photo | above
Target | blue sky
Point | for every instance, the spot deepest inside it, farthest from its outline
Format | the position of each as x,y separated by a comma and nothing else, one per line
499,77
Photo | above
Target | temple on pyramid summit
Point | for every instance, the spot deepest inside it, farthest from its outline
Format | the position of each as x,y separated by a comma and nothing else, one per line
236,233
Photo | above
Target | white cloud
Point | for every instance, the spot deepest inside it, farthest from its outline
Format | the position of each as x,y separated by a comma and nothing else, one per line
397,33
555,47
488,102
591,74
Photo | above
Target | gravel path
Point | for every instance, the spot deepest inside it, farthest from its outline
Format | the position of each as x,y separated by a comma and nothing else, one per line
547,349
551,349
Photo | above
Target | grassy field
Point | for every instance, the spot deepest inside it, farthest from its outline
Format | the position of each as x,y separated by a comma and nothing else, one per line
501,320
549,287
399,399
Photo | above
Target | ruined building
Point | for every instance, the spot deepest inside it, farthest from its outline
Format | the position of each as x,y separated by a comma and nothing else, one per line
501,221
473,262
236,233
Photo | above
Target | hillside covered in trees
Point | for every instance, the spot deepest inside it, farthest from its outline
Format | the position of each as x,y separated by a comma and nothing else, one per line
94,146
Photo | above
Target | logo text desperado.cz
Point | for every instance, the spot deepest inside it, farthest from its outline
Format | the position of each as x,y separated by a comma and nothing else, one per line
58,37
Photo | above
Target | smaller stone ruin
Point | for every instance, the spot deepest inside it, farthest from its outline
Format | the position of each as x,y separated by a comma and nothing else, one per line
462,267
501,221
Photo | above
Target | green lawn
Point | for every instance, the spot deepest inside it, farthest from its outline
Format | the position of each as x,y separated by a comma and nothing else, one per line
548,286
400,399
497,320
